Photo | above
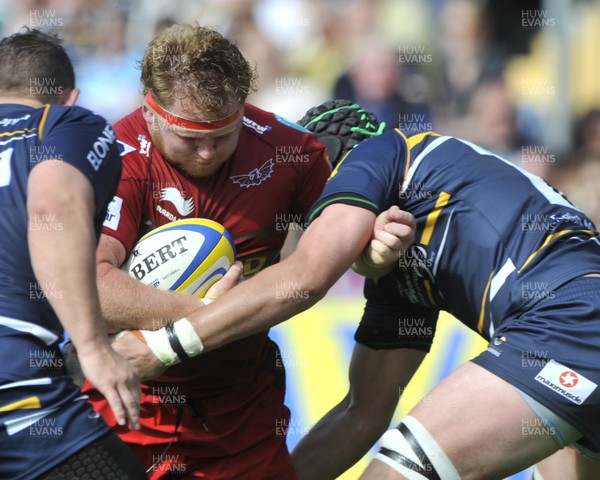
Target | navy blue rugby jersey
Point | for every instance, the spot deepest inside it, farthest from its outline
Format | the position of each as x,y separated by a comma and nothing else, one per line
29,136
491,238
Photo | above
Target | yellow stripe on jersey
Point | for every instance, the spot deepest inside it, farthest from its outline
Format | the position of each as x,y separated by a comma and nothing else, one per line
483,300
24,404
414,140
549,238
25,130
429,292
408,157
441,202
43,120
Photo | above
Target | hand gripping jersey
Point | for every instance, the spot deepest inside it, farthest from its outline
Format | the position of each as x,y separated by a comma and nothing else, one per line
275,175
43,417
491,238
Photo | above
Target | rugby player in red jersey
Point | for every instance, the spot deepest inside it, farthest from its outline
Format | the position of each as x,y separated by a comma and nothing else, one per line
197,149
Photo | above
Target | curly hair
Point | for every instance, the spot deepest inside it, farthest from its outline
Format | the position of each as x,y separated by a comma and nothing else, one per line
33,63
197,66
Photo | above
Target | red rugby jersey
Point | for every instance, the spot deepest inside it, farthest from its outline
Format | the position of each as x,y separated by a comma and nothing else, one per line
275,175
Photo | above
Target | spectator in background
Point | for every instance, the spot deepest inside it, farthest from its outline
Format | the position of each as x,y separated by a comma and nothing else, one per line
374,82
492,121
579,177
468,59
586,136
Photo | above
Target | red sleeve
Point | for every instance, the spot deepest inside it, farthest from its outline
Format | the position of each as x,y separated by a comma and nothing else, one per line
314,177
125,212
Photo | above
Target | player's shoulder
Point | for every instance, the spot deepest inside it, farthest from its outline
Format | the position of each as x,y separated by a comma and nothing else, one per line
134,138
131,126
389,145
54,115
273,128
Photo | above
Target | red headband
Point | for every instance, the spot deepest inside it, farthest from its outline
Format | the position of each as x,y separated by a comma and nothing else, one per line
181,122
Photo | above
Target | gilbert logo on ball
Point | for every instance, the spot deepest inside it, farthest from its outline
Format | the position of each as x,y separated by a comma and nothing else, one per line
186,256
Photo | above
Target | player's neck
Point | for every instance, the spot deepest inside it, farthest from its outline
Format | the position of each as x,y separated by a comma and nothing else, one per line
22,101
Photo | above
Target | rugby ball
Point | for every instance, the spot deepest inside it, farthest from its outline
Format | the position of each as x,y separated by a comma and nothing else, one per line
186,256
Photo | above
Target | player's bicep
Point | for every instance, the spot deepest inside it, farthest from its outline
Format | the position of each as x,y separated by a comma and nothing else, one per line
53,185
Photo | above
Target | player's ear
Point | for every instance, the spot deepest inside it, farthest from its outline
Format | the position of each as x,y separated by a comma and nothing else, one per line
69,96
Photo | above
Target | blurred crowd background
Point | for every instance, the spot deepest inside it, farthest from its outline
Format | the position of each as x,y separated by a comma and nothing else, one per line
518,77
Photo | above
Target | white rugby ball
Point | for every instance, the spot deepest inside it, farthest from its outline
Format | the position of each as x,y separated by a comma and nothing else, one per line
186,256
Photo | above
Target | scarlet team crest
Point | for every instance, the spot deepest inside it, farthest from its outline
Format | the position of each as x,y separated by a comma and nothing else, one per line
256,176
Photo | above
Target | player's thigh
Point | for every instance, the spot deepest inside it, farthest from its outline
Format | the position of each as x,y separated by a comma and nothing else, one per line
558,466
568,464
477,419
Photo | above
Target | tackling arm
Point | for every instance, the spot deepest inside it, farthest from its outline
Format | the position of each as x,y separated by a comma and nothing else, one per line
349,430
324,253
63,263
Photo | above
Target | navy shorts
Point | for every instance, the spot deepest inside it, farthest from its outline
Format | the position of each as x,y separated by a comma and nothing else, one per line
44,417
552,353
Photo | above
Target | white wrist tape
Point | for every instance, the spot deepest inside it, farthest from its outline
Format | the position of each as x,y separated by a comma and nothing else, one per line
207,301
174,343
189,339
158,343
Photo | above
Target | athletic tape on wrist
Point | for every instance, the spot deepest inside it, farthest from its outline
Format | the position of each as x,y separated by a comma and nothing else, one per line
174,342
158,342
207,301
188,338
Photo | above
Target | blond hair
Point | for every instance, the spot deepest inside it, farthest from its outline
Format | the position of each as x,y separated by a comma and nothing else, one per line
197,66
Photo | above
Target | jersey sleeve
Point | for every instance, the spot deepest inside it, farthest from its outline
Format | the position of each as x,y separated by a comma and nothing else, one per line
313,178
124,214
389,322
370,176
81,139
86,141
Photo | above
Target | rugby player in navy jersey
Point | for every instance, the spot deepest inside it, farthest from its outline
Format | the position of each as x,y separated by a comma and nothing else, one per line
59,167
498,248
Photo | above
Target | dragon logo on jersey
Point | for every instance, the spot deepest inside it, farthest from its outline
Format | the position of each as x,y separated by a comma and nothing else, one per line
256,176
183,207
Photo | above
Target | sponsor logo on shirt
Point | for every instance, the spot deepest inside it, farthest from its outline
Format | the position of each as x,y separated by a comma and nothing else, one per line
113,213
144,145
124,148
256,127
7,122
256,176
566,382
101,147
184,207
